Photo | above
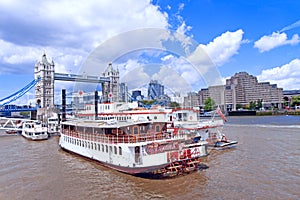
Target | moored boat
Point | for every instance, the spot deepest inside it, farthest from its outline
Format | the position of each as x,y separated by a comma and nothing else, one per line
11,131
223,142
53,126
137,147
34,130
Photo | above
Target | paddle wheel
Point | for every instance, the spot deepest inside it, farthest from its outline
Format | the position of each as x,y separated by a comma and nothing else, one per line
179,168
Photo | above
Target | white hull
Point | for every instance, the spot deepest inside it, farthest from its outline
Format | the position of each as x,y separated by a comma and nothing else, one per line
136,155
34,131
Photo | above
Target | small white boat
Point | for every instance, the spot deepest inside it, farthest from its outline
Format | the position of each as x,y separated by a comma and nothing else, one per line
227,143
53,126
34,131
224,142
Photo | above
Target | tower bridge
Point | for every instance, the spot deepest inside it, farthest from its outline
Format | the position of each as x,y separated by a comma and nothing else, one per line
44,77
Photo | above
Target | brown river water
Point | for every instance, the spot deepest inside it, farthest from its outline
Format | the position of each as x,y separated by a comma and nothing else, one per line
264,165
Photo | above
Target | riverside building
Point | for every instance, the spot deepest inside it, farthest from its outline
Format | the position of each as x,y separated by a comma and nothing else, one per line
241,89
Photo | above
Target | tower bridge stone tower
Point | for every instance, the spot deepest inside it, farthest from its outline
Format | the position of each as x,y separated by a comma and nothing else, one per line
110,90
44,89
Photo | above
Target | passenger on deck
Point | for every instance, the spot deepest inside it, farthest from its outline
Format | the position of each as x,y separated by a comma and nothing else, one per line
224,139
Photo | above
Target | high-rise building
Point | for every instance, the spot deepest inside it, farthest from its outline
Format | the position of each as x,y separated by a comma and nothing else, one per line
242,89
123,93
137,95
191,100
245,89
155,90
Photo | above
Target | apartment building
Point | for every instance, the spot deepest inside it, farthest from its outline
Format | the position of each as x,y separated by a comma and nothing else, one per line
241,89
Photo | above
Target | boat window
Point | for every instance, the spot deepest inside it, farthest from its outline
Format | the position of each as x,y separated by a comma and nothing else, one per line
88,145
115,149
135,130
98,130
99,147
120,150
89,130
102,148
110,148
143,129
80,129
157,128
106,148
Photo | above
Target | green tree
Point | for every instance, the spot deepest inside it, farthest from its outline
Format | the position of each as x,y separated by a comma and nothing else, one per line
209,103
148,102
252,105
175,104
238,106
259,103
295,101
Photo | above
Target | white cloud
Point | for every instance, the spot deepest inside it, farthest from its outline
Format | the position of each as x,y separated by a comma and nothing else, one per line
167,57
68,28
172,80
223,47
286,76
291,26
132,73
205,58
268,42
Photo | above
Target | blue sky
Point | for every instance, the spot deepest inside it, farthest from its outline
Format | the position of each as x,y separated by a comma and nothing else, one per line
259,37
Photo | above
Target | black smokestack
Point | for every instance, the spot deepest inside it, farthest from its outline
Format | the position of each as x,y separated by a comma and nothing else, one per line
63,105
96,105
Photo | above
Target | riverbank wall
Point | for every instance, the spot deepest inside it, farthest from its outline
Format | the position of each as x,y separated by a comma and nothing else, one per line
278,112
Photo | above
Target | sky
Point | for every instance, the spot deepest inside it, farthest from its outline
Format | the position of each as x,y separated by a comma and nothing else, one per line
184,44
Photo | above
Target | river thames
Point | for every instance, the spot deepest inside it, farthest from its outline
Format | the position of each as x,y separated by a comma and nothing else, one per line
264,165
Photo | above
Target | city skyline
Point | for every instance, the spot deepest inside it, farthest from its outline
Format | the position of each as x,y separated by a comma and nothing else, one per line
260,38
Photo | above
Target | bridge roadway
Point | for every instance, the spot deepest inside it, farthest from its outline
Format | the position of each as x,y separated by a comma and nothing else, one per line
80,78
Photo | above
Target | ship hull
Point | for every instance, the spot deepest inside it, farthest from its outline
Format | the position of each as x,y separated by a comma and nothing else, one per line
161,170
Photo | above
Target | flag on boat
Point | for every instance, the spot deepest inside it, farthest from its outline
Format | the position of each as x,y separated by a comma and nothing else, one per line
219,111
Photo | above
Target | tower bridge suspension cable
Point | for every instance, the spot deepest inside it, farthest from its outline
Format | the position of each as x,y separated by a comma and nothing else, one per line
19,93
